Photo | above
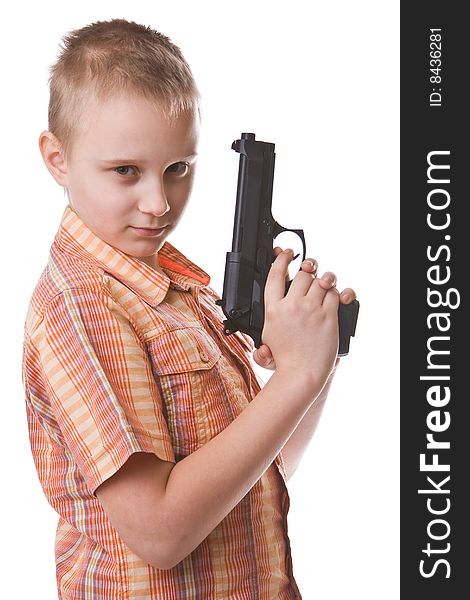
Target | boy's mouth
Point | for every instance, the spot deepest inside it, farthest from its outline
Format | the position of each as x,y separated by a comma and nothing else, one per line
148,231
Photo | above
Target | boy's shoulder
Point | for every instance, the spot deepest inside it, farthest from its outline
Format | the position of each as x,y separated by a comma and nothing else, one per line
63,273
80,264
74,268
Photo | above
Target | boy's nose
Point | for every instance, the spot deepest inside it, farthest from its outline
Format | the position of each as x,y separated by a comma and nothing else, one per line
154,201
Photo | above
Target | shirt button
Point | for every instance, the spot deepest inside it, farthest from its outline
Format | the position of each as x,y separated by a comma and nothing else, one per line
203,356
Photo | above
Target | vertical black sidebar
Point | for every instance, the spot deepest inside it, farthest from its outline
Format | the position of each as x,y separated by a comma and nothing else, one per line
435,320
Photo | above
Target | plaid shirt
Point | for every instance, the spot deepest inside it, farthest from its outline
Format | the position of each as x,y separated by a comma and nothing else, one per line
120,359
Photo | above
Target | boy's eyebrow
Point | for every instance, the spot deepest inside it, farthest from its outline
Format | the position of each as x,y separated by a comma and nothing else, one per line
134,160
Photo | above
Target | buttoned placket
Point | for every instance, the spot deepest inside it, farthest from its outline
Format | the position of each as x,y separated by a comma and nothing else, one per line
203,319
213,330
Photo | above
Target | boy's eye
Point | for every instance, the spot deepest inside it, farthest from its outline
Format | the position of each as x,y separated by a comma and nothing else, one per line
124,170
179,168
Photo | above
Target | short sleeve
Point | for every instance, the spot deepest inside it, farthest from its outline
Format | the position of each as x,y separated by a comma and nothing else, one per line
100,384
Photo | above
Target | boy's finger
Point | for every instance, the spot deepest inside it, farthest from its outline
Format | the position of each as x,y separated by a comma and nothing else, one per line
327,280
263,357
301,283
276,281
321,285
276,251
347,296
310,265
331,298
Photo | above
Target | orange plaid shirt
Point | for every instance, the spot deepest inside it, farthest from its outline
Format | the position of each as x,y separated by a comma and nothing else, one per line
120,359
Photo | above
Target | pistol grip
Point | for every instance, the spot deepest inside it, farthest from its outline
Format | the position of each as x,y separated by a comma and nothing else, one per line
347,319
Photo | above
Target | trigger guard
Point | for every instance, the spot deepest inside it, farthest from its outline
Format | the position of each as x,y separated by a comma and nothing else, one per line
299,232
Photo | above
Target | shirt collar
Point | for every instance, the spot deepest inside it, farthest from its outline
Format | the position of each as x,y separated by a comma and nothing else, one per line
76,238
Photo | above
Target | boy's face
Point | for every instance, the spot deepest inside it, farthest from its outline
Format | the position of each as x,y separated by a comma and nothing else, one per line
130,174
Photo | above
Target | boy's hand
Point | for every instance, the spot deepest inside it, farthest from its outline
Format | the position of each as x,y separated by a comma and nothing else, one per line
263,355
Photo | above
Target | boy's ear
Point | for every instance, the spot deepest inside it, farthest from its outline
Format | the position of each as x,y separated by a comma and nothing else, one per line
53,156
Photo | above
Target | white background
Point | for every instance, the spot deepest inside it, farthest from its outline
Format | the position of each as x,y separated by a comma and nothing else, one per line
320,80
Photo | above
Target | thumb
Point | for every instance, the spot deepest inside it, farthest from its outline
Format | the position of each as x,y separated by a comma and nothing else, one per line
263,357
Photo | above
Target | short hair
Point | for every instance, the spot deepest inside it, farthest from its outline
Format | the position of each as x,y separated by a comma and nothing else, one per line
108,58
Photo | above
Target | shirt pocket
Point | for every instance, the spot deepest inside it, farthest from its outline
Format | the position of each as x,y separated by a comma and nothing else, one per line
184,362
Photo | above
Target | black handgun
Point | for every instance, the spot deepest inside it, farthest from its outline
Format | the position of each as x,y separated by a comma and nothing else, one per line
248,264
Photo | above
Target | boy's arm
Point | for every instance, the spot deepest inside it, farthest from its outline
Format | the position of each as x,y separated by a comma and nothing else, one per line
163,511
298,442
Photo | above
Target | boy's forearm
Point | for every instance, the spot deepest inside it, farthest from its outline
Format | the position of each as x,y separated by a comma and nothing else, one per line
296,445
206,485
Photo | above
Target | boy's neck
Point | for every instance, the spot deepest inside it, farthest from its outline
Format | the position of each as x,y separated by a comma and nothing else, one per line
152,262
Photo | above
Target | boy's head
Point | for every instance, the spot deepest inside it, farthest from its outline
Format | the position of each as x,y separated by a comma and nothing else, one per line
123,130
107,58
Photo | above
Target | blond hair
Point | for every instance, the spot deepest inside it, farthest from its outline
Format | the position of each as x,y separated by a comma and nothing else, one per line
106,58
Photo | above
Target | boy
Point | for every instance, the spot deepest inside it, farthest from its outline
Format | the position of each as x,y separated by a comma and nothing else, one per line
150,433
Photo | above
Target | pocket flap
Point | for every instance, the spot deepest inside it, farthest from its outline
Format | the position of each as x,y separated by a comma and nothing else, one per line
183,350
